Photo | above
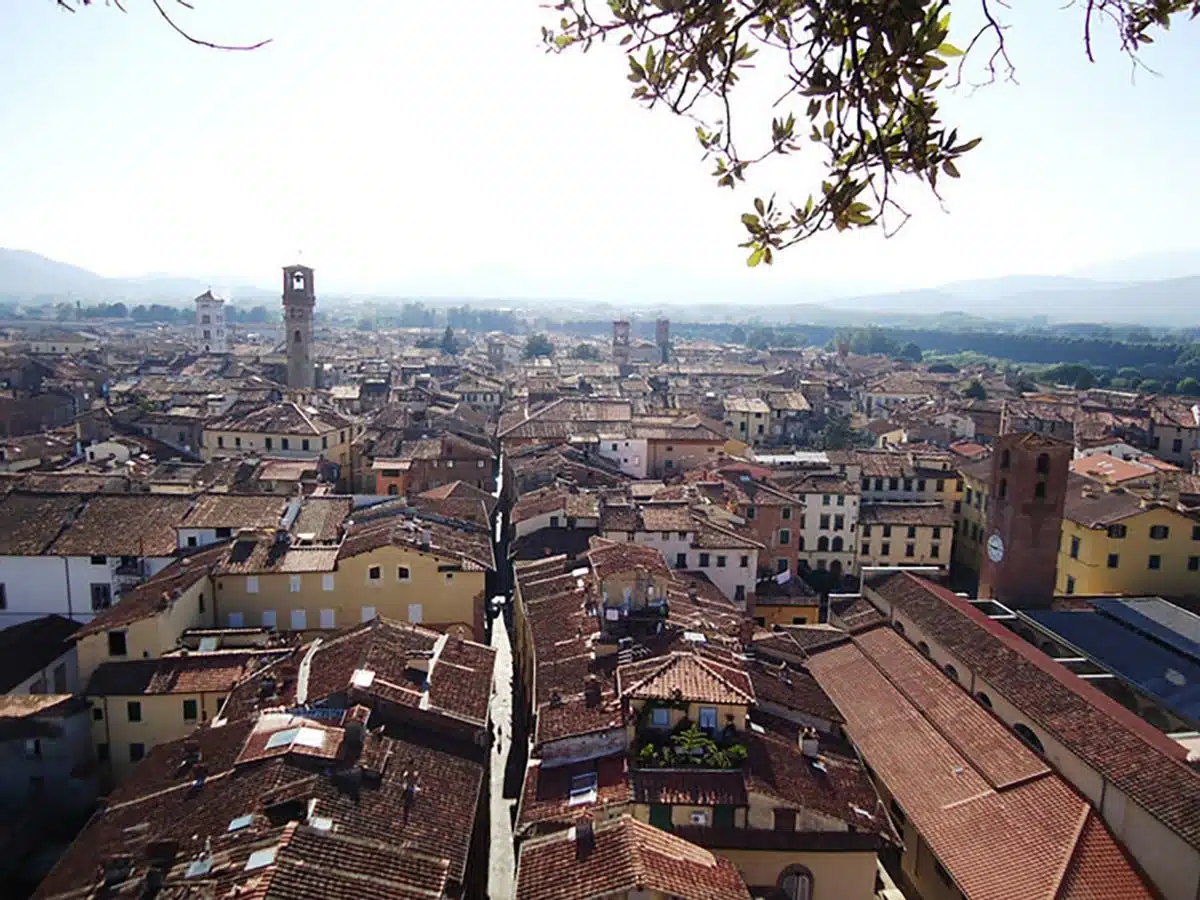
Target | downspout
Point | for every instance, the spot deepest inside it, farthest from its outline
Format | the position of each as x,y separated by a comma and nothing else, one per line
67,575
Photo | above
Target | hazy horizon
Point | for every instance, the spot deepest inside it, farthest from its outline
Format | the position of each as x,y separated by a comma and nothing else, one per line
407,155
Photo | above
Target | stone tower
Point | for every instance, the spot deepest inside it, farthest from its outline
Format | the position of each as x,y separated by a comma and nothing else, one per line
211,334
662,337
299,299
620,342
1024,519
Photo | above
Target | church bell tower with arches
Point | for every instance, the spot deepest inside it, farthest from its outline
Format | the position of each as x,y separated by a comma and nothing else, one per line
299,299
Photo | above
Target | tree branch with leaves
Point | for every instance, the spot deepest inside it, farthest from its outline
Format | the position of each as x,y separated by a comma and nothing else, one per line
860,85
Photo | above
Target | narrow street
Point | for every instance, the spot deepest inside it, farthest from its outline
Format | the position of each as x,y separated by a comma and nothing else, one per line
502,865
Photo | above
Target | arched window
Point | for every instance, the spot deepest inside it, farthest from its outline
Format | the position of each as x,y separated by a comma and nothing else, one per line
1043,463
296,337
899,626
984,699
1005,458
1025,733
822,543
796,883
951,671
297,281
1039,491
923,647
1003,492
837,544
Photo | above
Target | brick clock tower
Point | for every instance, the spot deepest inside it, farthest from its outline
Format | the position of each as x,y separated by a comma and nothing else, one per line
1024,521
299,299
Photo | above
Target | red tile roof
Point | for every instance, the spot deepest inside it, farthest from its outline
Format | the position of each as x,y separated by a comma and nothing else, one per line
401,811
624,856
1138,758
457,688
545,798
191,674
684,676
141,525
614,558
998,837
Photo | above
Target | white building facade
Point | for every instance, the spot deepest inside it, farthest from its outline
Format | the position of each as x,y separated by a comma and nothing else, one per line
212,336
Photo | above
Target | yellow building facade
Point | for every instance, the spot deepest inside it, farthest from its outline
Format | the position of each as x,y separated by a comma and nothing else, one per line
149,636
333,444
335,591
127,727
1144,549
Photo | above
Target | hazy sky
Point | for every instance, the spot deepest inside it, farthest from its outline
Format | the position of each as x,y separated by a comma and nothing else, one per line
434,148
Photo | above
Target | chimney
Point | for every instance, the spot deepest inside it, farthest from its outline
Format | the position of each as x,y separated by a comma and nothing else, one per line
810,744
419,660
426,538
592,690
354,727
746,632
585,837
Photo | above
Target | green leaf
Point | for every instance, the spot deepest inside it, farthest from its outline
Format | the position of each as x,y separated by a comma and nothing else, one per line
948,49
758,205
949,168
750,221
828,130
755,258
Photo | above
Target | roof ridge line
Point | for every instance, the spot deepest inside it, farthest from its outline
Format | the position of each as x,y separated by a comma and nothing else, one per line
705,661
1055,887
942,732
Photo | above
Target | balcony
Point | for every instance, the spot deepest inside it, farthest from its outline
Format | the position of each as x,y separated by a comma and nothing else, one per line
636,621
687,747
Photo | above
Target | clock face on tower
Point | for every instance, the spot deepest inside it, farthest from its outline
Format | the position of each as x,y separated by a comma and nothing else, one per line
995,548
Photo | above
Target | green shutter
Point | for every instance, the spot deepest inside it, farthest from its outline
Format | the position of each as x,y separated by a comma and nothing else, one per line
660,816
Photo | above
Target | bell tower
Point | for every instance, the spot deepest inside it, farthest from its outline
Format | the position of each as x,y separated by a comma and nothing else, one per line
299,299
1024,516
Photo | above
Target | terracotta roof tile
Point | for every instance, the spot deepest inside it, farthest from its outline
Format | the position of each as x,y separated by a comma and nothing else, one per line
1134,755
624,856
546,796
996,841
191,674
165,810
686,676
141,525
29,523
235,511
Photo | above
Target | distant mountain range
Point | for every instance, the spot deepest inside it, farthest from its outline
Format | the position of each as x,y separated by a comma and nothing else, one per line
25,276
1161,289
1166,302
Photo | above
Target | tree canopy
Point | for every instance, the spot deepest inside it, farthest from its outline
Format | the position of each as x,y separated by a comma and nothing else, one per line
538,345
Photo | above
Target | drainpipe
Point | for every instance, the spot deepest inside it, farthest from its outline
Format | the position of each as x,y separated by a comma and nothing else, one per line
67,576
